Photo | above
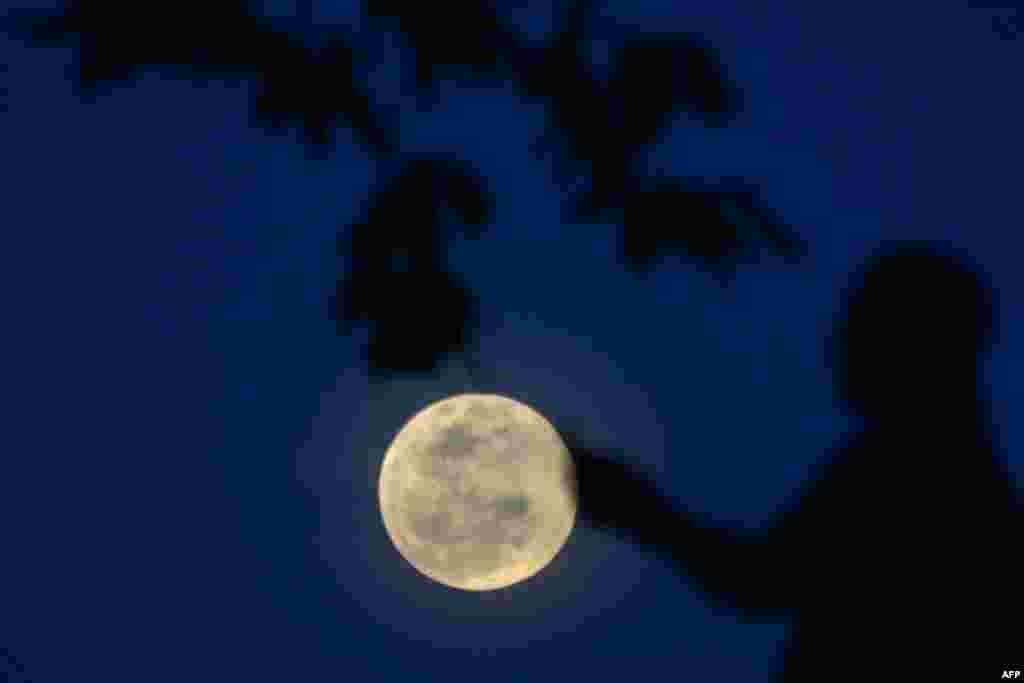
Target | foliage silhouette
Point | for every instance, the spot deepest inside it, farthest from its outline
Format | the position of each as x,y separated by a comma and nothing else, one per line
719,226
681,72
397,278
212,40
610,128
602,128
1006,23
475,46
897,554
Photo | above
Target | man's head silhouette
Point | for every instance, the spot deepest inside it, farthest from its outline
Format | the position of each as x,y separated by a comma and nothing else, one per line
909,337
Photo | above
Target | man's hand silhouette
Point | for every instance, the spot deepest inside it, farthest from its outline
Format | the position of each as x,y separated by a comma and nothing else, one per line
623,499
612,495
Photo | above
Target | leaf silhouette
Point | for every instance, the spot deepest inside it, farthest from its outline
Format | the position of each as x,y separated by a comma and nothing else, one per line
214,40
417,317
655,76
397,279
719,227
463,39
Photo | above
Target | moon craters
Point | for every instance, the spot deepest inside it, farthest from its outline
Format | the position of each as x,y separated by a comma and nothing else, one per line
481,502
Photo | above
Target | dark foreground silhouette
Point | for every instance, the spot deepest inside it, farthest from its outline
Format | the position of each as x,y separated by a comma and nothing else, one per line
398,283
598,129
902,555
217,40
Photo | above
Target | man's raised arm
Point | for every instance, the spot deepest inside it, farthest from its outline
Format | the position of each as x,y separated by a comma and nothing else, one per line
743,571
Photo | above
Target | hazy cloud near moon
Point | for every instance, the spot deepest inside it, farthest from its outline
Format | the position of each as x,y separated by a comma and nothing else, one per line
473,492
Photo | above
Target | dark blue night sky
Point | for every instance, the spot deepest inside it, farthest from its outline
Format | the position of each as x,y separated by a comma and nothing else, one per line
191,449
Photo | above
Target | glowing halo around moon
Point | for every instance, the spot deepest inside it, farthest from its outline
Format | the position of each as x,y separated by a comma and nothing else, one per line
477,492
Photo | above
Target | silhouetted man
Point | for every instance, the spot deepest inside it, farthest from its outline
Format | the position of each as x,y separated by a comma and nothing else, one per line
903,555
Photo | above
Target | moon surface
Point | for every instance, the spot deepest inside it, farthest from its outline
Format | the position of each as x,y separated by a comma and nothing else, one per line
477,492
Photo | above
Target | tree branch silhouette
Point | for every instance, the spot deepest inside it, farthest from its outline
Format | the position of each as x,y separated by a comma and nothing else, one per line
215,40
397,277
605,129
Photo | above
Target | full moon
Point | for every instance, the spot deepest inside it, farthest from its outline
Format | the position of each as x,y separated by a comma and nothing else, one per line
477,492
